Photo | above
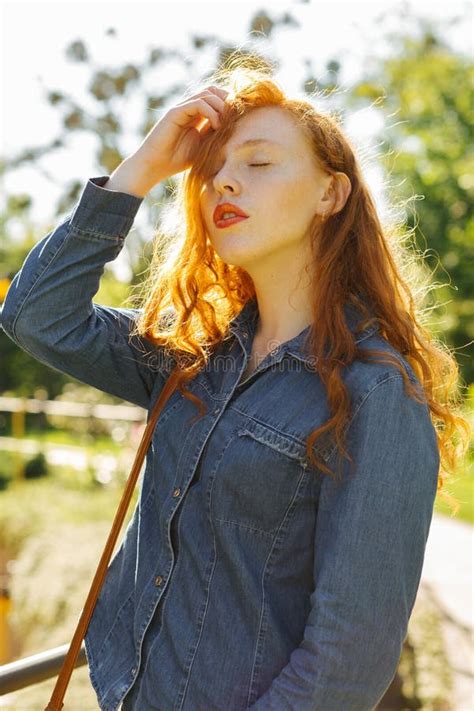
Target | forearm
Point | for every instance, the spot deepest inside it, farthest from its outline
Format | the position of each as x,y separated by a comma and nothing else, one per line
132,177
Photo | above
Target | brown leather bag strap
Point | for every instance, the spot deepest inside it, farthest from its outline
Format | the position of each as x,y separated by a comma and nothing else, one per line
56,701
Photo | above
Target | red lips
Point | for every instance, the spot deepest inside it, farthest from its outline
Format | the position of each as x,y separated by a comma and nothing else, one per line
227,207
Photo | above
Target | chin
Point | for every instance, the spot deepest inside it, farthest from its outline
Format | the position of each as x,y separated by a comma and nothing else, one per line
243,259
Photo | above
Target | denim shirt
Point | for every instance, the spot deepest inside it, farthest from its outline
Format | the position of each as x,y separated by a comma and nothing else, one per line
246,578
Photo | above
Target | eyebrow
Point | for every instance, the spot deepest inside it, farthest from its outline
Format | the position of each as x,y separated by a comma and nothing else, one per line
255,142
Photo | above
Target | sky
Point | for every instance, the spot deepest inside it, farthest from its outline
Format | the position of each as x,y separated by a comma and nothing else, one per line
34,35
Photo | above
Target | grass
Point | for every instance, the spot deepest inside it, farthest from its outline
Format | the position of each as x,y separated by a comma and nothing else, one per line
64,497
461,487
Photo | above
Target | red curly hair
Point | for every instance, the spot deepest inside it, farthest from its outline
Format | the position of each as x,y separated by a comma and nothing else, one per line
354,256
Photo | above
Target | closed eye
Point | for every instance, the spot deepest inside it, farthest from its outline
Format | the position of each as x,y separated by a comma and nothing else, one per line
251,165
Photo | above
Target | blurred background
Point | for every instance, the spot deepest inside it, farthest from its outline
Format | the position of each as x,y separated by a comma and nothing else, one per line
82,83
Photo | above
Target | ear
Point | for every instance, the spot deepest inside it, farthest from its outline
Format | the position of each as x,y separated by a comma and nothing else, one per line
338,191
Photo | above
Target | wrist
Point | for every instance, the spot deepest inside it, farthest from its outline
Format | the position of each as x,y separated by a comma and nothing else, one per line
131,177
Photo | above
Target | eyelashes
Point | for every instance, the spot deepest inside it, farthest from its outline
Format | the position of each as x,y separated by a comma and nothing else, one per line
250,165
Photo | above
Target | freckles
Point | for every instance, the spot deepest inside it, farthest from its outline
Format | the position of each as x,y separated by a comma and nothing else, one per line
292,194
303,187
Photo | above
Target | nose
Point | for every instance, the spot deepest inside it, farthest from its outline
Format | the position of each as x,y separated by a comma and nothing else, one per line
224,184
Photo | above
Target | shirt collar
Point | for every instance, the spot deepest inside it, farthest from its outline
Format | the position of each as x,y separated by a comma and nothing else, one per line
244,325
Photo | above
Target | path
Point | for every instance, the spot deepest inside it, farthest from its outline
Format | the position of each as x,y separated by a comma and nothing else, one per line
448,571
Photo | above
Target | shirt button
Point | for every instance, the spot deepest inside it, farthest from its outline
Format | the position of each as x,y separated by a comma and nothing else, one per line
176,492
245,333
216,411
134,670
158,580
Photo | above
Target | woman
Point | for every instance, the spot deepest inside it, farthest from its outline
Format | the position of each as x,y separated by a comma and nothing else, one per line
251,576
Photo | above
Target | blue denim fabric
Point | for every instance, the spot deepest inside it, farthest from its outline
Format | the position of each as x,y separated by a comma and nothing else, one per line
246,578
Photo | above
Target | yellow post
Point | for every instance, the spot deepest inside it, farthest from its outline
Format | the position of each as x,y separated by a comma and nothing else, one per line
5,607
4,286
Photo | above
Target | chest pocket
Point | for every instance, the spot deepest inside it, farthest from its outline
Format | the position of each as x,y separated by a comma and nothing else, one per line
257,478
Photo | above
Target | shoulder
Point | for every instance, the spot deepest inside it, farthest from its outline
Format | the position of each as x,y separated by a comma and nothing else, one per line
389,428
365,377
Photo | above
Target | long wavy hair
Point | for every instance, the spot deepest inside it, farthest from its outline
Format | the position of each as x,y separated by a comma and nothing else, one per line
190,295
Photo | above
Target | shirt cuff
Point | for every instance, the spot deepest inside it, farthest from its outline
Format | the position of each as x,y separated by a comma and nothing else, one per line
104,212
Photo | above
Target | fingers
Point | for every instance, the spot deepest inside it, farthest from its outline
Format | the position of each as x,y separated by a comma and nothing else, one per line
214,96
210,107
208,103
211,110
217,89
216,103
210,92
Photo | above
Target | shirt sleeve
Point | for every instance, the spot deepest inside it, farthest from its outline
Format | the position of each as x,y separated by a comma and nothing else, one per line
370,538
48,309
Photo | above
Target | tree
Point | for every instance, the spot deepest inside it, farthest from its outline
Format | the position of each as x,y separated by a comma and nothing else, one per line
428,91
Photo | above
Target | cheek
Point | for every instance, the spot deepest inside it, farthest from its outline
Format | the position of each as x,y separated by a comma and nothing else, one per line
293,200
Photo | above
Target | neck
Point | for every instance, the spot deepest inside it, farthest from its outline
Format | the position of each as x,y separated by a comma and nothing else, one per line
283,294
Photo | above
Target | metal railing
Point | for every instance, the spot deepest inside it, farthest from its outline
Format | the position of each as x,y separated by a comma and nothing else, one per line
38,667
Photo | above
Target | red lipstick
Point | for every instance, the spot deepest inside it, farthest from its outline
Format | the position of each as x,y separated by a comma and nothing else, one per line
224,207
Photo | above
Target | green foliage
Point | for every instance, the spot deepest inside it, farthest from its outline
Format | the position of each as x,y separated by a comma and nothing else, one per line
37,467
6,475
462,488
20,373
428,96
